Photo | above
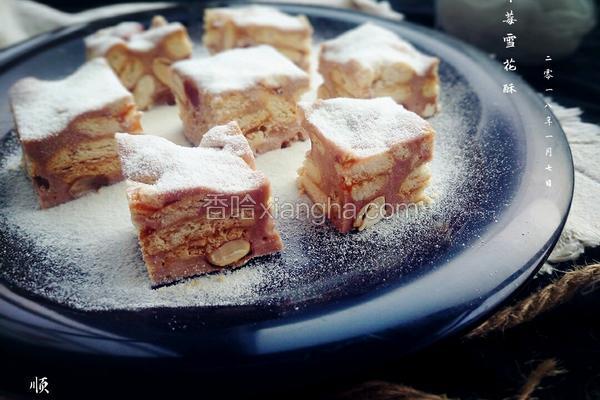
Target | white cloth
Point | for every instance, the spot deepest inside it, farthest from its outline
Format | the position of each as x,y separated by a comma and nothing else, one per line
583,225
20,19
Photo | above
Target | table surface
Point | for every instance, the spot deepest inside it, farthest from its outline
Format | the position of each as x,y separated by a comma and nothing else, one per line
493,368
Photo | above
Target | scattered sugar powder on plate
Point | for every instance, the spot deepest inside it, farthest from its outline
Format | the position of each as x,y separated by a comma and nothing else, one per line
84,254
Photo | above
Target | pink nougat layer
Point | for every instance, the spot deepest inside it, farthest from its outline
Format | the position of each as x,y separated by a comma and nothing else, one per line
416,100
416,153
248,218
165,270
56,183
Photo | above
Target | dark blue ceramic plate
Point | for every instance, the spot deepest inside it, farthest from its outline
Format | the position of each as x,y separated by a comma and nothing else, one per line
404,294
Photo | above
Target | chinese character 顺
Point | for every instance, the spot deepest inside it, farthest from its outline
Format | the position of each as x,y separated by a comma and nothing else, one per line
39,385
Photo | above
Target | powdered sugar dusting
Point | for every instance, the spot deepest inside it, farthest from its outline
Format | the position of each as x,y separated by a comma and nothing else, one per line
157,165
84,254
147,40
45,108
240,69
371,46
99,42
364,126
92,260
262,16
131,35
229,137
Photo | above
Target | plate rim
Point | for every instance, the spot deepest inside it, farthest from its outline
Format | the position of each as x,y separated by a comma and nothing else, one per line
13,55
